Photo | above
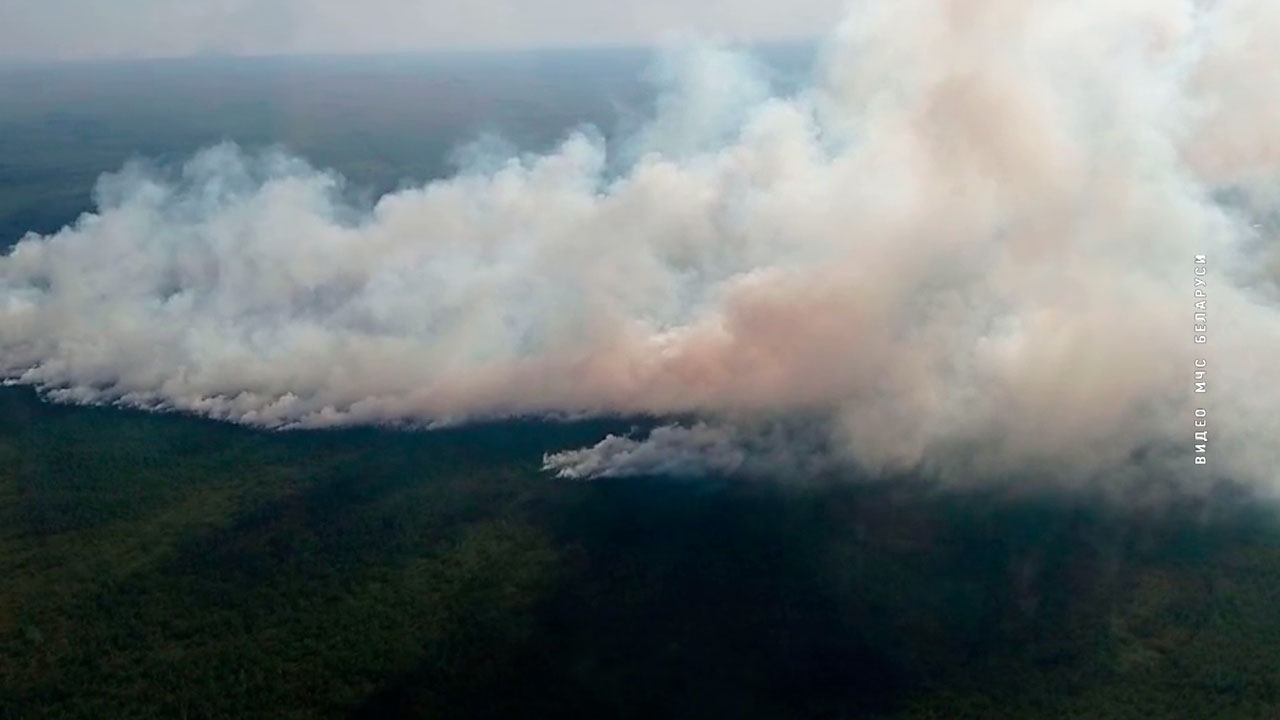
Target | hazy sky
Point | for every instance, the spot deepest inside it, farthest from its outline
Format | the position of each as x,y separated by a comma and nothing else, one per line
116,28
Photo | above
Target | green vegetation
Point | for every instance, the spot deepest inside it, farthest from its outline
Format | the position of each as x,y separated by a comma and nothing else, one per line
164,566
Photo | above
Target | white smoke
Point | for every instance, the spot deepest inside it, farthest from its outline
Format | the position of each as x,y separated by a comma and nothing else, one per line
779,448
668,450
970,242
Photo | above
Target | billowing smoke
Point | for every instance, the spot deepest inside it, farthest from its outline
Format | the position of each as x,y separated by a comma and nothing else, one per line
969,243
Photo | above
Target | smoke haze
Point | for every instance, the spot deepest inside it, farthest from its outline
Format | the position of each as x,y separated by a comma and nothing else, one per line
968,244
76,29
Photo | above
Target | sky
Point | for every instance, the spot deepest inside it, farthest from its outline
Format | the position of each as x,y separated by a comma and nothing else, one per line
89,29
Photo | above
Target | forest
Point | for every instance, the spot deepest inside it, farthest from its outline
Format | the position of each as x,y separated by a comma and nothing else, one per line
164,566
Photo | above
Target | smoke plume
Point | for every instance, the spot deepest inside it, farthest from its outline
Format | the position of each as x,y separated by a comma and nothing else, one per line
969,243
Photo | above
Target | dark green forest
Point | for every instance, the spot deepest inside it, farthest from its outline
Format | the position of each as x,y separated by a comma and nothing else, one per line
164,566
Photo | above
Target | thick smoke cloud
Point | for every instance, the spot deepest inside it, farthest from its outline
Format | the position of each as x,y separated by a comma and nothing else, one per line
970,242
